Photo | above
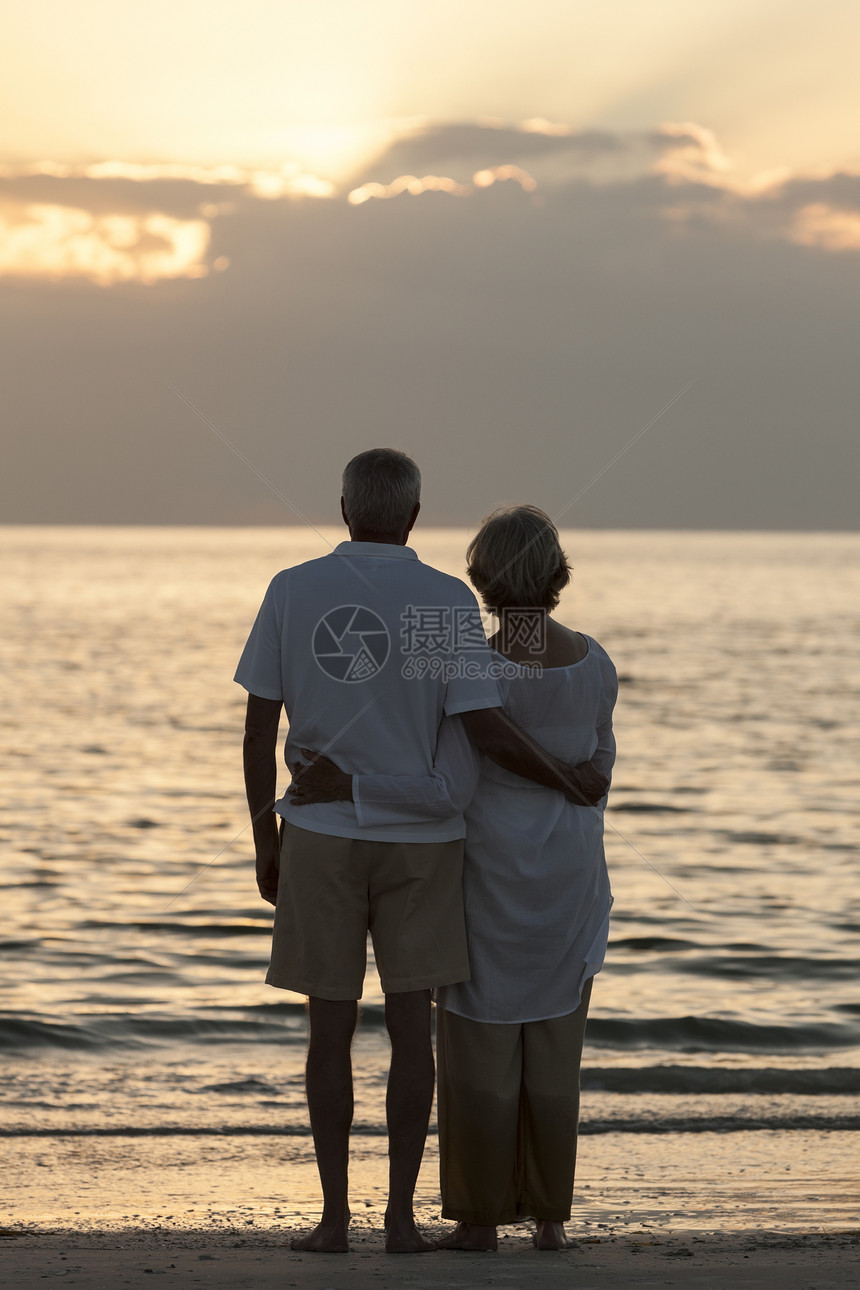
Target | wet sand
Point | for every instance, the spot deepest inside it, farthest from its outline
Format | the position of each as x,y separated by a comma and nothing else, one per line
717,1210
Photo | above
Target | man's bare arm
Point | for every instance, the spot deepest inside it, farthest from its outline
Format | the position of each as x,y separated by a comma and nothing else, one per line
507,744
259,756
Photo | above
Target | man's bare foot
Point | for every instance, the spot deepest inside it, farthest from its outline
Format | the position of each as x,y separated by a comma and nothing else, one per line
550,1236
326,1238
470,1236
404,1238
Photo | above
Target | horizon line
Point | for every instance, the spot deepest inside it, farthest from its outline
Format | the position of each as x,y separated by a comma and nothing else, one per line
583,528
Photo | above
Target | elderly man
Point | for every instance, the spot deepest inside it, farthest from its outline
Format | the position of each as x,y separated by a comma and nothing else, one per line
367,648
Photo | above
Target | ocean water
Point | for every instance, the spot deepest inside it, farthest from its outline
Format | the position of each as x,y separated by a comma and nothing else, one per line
133,944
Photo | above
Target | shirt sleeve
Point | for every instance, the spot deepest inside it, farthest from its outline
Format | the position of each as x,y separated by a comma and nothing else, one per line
259,670
405,799
471,680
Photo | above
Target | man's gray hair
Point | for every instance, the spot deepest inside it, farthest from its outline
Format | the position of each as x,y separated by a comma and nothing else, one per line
515,560
381,488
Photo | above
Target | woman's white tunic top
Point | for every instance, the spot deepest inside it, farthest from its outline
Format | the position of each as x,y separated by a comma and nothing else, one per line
535,883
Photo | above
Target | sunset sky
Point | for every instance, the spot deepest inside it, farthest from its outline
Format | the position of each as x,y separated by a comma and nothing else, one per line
503,237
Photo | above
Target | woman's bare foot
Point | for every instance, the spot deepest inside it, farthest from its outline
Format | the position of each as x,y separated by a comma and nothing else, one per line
470,1236
404,1238
326,1238
550,1236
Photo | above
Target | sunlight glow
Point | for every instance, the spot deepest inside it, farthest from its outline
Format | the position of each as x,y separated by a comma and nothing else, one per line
410,184
49,241
333,150
699,155
540,125
274,184
486,178
414,186
288,180
822,226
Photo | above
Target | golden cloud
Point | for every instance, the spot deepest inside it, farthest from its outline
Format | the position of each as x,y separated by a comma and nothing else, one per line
48,241
122,222
415,186
58,235
498,174
408,184
820,225
289,180
697,155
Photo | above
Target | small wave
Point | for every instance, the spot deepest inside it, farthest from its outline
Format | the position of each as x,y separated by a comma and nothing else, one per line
772,965
30,883
649,807
250,963
831,1080
724,1124
666,943
282,1022
249,1085
18,1032
200,1029
716,1034
180,927
128,1031
753,838
621,1124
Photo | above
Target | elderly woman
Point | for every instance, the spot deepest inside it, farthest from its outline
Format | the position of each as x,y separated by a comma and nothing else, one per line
537,899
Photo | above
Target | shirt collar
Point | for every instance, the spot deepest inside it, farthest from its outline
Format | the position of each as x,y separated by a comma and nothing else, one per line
382,550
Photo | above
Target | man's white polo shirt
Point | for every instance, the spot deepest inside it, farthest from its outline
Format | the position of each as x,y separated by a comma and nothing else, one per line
367,648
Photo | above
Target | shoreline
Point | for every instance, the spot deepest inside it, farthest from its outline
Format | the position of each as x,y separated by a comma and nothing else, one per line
800,1180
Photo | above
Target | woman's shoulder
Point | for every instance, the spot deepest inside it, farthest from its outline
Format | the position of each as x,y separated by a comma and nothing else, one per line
596,650
603,672
600,658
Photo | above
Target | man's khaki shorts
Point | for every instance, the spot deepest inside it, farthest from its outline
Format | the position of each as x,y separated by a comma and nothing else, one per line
332,891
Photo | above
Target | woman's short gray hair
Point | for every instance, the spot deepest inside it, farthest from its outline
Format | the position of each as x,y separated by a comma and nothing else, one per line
516,562
381,488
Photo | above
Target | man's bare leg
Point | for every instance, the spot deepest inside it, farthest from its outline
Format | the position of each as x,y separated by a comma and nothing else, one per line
330,1103
410,1098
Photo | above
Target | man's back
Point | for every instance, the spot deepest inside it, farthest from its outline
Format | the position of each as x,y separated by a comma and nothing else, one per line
367,648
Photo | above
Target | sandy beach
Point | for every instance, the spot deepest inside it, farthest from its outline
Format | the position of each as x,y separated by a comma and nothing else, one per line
718,1210
134,1258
